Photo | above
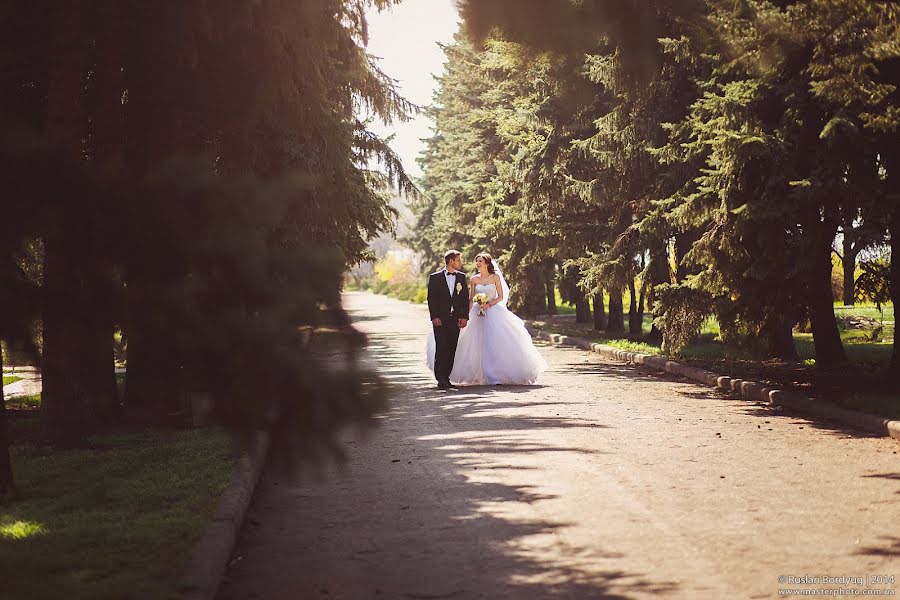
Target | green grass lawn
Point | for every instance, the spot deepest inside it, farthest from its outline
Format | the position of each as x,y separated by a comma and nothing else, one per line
8,379
869,358
859,352
114,522
33,401
630,346
867,310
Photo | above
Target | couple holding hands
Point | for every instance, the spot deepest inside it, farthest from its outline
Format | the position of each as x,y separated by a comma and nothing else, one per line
476,339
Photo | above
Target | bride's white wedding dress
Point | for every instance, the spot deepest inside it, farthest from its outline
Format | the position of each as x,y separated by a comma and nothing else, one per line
493,349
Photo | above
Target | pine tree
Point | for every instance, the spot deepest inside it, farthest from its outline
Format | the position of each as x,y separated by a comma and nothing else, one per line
458,162
197,175
729,139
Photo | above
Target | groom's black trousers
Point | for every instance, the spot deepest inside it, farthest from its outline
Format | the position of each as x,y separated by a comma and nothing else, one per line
445,339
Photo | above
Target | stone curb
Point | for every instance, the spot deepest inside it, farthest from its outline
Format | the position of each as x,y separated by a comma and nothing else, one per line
201,578
748,390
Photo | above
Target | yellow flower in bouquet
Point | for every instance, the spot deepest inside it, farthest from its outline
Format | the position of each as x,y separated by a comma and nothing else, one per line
481,300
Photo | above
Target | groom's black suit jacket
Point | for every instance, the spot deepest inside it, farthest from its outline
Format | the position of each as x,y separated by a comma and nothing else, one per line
441,304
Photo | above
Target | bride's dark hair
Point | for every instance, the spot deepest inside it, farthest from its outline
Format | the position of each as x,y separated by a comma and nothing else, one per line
488,260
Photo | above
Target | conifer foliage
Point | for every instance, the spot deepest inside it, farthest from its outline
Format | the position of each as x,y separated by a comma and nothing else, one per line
703,155
192,173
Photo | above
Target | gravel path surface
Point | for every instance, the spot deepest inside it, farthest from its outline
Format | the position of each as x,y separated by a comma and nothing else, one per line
603,481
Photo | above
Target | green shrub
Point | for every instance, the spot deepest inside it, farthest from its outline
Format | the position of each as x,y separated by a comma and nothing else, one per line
407,292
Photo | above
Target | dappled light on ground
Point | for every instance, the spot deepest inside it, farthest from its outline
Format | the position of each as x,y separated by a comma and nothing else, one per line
19,530
603,480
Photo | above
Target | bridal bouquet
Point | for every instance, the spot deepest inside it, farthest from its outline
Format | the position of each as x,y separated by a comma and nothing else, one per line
481,300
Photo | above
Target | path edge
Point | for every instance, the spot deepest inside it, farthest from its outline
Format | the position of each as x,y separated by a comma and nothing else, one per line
748,390
209,559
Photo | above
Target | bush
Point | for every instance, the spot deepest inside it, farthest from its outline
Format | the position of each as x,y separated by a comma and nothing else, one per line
408,291
396,268
380,287
680,313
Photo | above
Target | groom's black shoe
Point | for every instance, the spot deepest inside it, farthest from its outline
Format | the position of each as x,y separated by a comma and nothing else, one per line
452,386
443,385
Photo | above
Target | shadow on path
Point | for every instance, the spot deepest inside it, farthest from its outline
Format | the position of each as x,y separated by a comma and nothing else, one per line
411,516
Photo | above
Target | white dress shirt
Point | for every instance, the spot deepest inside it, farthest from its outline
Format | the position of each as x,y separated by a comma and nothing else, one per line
451,280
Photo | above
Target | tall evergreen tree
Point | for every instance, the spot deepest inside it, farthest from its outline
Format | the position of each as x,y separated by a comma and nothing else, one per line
196,173
713,148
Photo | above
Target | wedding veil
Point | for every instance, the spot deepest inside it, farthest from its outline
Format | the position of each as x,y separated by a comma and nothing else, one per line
503,285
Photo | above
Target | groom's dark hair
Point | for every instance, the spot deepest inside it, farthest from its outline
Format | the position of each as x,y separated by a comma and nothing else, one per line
450,255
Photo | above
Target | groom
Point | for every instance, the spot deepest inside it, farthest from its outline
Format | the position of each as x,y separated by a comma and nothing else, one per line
448,304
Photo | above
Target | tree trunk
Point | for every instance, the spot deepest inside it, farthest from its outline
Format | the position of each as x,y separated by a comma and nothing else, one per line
157,129
892,167
641,304
895,286
659,275
154,377
109,143
534,302
6,475
848,261
635,311
683,244
582,308
99,365
616,321
69,62
599,312
63,393
820,298
550,285
781,339
109,120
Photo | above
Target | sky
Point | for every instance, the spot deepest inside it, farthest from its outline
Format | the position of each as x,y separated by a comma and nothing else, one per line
406,39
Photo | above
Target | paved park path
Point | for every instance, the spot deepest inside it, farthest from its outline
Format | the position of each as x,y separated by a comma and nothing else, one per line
29,382
603,481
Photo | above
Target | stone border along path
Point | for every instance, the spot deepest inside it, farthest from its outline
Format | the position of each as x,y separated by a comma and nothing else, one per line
203,574
748,390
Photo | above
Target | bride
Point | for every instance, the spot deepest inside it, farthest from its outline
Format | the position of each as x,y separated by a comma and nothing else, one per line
495,347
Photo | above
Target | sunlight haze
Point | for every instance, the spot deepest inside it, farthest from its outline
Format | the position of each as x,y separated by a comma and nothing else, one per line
405,39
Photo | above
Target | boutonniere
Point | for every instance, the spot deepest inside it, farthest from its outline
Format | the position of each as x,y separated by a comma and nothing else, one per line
458,288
